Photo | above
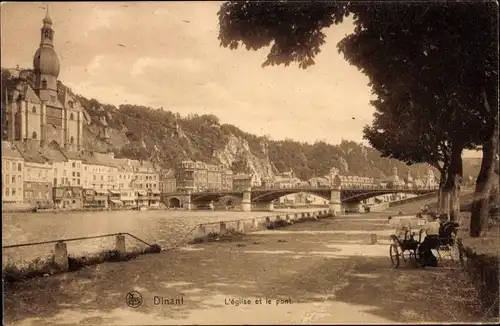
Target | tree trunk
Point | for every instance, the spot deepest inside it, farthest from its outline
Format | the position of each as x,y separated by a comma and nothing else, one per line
454,180
441,195
480,205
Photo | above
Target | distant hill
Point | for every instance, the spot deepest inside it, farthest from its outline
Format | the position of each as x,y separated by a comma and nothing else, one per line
164,137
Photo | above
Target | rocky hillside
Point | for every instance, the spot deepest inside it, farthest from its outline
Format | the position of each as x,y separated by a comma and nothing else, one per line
165,138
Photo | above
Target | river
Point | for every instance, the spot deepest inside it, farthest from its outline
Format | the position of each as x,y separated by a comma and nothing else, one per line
166,228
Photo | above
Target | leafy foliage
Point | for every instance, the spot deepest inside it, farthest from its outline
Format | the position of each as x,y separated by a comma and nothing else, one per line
427,63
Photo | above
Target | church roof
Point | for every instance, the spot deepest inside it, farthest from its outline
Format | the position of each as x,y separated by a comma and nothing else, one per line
9,150
24,88
33,151
74,155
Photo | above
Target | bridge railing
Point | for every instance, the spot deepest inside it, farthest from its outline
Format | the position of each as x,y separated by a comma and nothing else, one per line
349,186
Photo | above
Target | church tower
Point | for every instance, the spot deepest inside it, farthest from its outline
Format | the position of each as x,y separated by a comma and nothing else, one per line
46,64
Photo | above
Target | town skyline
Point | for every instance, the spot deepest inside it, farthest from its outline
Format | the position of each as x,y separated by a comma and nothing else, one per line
207,79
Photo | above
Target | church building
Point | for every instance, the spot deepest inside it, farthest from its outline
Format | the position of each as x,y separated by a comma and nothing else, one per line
37,108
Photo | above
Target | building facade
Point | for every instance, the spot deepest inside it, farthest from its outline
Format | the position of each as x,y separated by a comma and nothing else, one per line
168,183
191,176
38,179
67,197
41,161
145,176
227,180
214,177
12,174
99,171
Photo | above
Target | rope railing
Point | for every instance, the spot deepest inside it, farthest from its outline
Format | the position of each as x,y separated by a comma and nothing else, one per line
75,239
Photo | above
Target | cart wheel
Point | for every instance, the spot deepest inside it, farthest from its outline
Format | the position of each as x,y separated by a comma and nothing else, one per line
394,254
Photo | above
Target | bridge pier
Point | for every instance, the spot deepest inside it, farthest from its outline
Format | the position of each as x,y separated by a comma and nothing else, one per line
270,206
188,205
246,203
335,204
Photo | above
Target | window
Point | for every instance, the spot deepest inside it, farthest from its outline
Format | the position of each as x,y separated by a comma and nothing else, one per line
78,174
94,177
52,98
102,186
73,165
44,83
33,135
74,173
13,179
33,109
71,116
19,167
72,141
102,178
78,181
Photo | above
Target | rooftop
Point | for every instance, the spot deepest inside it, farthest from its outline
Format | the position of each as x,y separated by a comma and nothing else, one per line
9,150
33,151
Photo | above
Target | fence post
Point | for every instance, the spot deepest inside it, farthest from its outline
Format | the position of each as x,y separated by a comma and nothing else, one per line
120,243
200,231
61,256
223,228
241,226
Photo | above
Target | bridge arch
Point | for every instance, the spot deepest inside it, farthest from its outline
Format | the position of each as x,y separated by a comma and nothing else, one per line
174,202
269,196
358,195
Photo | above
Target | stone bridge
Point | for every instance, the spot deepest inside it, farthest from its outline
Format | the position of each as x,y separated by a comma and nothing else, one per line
337,196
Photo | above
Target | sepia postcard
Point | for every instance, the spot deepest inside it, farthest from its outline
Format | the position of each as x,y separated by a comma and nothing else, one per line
250,162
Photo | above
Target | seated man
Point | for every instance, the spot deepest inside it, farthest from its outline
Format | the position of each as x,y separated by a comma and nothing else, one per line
431,241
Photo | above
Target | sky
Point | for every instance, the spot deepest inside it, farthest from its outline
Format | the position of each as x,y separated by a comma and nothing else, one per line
166,54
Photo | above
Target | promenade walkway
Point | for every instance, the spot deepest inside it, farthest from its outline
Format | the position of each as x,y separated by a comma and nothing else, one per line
324,271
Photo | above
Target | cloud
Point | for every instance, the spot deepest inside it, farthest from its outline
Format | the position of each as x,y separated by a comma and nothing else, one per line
187,64
161,12
95,66
99,19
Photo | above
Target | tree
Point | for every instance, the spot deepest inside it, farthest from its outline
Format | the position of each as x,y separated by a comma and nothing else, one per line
438,56
410,142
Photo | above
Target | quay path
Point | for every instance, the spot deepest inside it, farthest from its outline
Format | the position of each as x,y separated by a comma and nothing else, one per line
320,272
